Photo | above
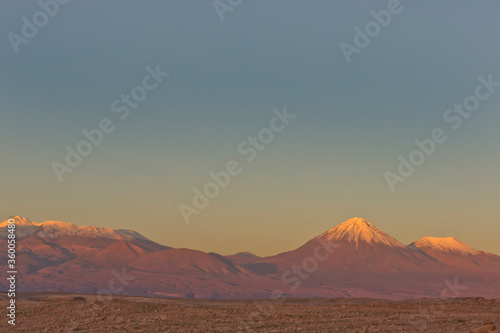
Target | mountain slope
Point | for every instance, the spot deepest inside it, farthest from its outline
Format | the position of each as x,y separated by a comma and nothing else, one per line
183,261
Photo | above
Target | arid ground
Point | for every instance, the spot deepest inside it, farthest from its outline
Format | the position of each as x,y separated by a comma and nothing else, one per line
41,312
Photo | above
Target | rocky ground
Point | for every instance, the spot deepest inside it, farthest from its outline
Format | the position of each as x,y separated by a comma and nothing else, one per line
39,312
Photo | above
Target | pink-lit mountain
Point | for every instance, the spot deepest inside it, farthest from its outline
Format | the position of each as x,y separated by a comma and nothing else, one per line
353,259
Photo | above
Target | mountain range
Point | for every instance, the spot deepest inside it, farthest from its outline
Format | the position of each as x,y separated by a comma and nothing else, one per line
353,259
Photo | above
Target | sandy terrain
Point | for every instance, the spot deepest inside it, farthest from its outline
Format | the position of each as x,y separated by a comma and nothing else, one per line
39,312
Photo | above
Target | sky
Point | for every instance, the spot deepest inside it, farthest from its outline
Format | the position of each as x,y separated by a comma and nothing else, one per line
353,116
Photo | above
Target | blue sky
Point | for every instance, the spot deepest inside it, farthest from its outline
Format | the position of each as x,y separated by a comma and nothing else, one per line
353,119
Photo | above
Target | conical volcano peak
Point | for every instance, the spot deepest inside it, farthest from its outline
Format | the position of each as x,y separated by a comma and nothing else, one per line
356,230
357,221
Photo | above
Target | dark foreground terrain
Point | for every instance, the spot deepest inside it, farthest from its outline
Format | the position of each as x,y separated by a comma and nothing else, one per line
41,312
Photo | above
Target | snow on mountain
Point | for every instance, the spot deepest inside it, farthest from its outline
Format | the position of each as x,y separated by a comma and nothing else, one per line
54,229
20,221
448,244
358,229
24,227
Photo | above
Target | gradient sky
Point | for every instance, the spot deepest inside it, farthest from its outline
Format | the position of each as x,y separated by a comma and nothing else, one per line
353,120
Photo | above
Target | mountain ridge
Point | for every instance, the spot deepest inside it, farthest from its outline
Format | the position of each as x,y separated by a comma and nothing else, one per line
54,229
352,259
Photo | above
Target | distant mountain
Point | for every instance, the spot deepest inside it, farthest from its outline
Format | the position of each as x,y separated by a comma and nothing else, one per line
242,258
453,252
353,259
246,254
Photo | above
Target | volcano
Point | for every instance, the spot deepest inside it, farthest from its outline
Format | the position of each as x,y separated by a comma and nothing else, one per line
360,247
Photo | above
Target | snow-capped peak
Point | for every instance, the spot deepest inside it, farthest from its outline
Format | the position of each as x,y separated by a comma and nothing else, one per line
448,244
358,229
18,221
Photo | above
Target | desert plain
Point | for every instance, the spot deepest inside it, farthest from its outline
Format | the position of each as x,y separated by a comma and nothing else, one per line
64,312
